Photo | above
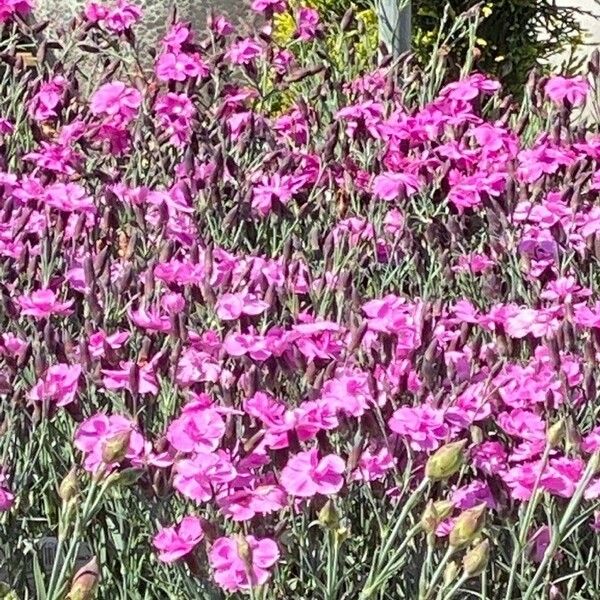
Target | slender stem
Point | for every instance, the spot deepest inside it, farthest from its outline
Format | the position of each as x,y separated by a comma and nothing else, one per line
438,573
456,587
558,534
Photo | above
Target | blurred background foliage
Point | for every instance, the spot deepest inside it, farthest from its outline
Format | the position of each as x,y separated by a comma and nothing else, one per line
513,36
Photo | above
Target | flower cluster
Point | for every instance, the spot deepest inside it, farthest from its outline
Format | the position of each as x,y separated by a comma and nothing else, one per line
264,311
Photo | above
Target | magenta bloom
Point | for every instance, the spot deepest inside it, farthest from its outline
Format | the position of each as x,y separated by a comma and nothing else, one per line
234,572
93,433
276,6
199,477
174,542
44,105
175,113
122,17
180,66
116,100
423,426
244,51
243,505
198,429
306,475
571,91
43,303
58,386
307,23
7,498
69,197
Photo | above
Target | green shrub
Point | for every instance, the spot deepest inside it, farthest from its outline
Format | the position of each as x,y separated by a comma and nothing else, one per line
513,35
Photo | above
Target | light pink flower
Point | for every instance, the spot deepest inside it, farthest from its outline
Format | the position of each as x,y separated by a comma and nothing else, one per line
199,477
567,90
58,386
92,435
175,542
41,304
307,23
306,475
244,51
198,429
234,572
180,66
423,426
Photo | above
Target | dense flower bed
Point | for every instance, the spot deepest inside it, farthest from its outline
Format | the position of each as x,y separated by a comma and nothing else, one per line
329,350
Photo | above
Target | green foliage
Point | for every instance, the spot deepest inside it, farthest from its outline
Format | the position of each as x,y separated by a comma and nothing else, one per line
509,41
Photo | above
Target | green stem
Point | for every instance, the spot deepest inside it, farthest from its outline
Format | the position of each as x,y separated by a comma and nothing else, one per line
438,573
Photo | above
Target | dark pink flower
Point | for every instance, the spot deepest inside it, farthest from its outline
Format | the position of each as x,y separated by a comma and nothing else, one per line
116,100
423,426
175,542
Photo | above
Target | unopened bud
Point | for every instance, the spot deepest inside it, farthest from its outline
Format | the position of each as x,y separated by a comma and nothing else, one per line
430,518
556,433
69,486
476,559
467,526
329,516
244,551
85,582
446,461
450,573
115,448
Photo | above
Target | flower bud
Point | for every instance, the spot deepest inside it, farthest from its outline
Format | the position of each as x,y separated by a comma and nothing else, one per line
115,448
468,525
476,559
329,516
556,433
244,551
444,508
446,461
430,518
450,573
69,486
85,582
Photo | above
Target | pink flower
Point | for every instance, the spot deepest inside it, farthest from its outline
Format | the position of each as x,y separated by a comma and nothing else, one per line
489,457
243,505
100,341
121,378
473,494
424,426
7,499
93,434
305,475
570,91
69,197
43,303
10,8
116,100
241,564
231,307
59,385
220,25
122,17
523,424
175,113
12,345
44,105
198,429
276,6
307,22
373,466
244,51
174,542
180,66
199,477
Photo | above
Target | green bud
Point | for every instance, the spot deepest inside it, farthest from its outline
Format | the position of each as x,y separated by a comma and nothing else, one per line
444,508
329,516
468,526
450,573
475,560
126,477
115,448
69,486
244,551
85,582
446,461
556,433
430,518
